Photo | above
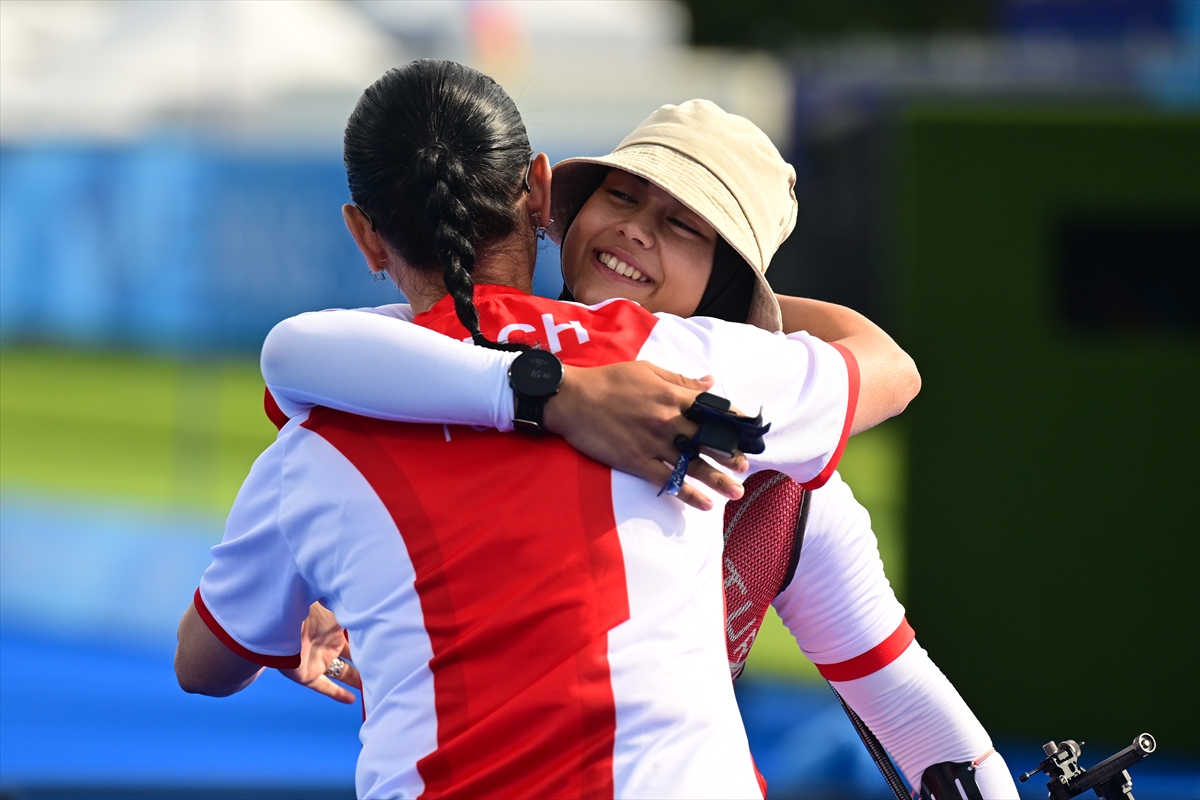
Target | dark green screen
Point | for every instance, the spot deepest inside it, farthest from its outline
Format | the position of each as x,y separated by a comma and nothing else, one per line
1053,531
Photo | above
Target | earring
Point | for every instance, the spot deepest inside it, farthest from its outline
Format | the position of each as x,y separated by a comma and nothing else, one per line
539,228
382,274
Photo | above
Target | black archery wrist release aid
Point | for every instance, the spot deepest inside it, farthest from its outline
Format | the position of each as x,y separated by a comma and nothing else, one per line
722,431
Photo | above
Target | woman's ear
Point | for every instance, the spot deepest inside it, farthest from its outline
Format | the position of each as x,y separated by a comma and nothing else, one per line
368,241
540,179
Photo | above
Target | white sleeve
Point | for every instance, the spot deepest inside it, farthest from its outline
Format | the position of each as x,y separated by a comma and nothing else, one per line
807,389
376,365
840,603
253,596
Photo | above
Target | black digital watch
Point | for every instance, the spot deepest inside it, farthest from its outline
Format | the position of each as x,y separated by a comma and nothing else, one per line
535,376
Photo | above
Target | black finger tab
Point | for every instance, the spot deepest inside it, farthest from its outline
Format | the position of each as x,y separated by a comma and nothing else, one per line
721,431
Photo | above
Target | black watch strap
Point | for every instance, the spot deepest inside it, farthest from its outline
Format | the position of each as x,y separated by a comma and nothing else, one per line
529,411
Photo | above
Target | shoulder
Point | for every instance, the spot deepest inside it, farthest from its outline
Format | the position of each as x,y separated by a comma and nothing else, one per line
730,347
293,463
719,332
617,308
400,311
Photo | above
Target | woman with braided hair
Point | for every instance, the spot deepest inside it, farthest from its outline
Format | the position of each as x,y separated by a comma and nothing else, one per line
835,599
525,621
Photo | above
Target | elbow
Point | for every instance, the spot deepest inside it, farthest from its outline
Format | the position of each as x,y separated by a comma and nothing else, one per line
207,691
192,687
904,385
188,680
909,384
195,683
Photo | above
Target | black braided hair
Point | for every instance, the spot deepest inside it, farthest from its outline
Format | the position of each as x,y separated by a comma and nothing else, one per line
436,153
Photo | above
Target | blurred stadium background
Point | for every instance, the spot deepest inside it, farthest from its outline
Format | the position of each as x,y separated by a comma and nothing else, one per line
1012,187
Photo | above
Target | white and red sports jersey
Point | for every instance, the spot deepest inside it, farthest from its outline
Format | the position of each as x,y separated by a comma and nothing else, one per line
526,621
834,597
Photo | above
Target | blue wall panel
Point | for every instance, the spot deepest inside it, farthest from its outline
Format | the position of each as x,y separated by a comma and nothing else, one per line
171,245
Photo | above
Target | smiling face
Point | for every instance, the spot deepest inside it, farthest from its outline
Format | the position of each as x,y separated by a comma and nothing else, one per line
632,239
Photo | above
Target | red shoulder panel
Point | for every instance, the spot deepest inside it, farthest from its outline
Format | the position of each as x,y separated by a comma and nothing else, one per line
274,412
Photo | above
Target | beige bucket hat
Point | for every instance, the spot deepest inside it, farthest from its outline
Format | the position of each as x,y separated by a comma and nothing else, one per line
719,165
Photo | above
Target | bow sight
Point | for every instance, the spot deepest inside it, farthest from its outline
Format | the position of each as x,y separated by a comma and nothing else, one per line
1109,778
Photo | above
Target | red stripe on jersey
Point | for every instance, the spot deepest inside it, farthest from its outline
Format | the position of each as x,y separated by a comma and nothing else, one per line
518,569
277,662
851,404
762,782
874,659
274,412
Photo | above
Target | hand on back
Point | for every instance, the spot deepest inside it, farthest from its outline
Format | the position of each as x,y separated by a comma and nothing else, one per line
628,415
322,640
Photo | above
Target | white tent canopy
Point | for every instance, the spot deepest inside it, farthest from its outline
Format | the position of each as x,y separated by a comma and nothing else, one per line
113,69
583,72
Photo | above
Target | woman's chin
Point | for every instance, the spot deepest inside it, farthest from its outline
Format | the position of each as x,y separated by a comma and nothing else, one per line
589,294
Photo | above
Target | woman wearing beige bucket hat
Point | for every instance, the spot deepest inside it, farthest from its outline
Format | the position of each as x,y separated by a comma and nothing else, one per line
722,169
684,217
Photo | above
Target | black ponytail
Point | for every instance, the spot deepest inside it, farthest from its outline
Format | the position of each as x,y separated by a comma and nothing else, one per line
436,153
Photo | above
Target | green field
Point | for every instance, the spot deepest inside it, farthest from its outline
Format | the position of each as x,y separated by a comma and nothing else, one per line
162,432
182,433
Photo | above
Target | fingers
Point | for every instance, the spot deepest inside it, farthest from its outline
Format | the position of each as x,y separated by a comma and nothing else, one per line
350,676
658,473
325,686
737,462
714,478
695,498
694,384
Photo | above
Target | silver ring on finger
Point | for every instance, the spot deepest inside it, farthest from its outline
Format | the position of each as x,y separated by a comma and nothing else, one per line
335,668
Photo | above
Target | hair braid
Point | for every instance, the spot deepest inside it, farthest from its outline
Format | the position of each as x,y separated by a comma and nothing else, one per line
453,233
437,153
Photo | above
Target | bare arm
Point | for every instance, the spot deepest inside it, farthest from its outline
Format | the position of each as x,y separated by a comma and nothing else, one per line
204,665
888,376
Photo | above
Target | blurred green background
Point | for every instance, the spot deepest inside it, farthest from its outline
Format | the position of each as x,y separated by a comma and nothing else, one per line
147,430
1048,264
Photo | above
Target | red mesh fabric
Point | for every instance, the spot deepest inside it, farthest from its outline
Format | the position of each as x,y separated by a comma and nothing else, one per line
760,533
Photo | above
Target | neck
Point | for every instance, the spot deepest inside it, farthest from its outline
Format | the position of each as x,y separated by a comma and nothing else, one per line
510,267
508,264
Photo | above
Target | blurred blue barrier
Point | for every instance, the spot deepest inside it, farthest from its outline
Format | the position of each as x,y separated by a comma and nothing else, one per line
99,572
90,596
173,244
101,715
803,744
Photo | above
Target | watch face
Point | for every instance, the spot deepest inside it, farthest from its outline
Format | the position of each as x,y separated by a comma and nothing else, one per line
537,374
